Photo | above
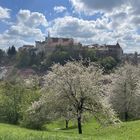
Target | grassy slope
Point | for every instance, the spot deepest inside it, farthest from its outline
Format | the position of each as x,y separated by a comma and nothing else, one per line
92,131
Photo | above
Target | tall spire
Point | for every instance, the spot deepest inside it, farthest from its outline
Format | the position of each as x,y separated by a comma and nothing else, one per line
48,34
118,45
48,37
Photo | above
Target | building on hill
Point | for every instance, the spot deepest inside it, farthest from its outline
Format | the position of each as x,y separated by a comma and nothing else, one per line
114,51
26,47
51,43
133,58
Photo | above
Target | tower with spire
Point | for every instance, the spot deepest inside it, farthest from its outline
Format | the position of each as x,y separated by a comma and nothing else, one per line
48,37
49,34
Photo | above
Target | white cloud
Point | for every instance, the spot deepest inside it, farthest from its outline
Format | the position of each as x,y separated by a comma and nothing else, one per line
99,31
82,30
120,12
92,6
25,30
59,9
72,27
4,13
123,17
31,18
119,21
116,10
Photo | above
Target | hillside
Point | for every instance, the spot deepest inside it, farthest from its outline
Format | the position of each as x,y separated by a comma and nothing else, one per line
92,131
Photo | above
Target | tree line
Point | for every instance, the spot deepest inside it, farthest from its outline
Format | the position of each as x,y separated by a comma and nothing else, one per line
42,61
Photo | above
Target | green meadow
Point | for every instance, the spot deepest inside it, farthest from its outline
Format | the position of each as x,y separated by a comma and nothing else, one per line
56,131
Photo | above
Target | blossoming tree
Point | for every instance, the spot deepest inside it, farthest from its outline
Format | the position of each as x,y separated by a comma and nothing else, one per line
76,85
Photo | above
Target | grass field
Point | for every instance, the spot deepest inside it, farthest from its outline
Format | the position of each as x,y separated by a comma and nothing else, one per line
91,131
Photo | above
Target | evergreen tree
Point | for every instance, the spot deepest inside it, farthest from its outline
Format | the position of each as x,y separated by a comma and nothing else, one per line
11,51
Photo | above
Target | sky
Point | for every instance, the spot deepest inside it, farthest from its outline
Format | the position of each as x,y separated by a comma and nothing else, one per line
23,22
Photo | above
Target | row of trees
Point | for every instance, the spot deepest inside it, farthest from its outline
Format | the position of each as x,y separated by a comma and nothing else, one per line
29,58
6,57
63,54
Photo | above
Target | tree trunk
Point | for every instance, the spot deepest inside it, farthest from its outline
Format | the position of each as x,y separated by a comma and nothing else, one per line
79,125
67,124
126,116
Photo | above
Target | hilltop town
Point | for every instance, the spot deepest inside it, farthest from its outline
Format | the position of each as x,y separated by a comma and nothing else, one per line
51,43
38,58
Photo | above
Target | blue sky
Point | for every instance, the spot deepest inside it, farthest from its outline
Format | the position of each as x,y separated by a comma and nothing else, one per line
43,6
87,21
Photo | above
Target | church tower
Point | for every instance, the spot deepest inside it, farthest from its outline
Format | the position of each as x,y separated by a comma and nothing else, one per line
47,38
49,34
